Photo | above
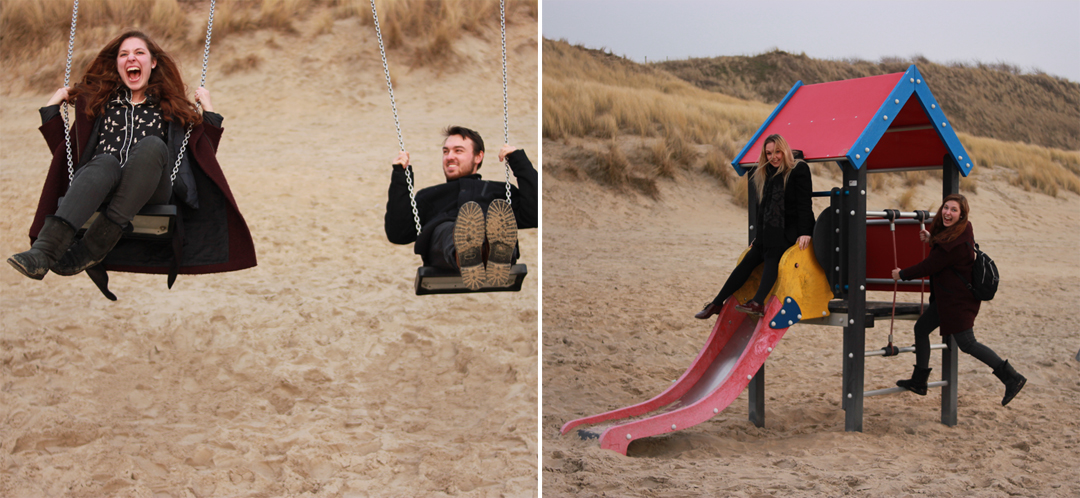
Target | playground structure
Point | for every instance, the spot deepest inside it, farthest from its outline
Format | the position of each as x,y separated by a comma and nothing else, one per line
887,123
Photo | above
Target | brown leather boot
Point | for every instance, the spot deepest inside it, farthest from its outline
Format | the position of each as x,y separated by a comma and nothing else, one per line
91,249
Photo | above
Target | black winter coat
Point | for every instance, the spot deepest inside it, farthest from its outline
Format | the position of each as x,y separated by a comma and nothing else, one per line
798,209
957,306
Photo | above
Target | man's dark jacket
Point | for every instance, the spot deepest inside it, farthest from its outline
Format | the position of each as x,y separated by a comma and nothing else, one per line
215,236
440,203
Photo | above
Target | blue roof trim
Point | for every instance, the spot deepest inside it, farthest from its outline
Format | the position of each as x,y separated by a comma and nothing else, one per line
941,124
879,124
735,162
911,83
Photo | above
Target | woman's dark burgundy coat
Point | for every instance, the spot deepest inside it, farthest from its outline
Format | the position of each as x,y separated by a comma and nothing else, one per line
957,306
216,237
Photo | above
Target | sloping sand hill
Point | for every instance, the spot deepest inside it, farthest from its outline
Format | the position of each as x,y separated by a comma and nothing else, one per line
318,373
624,274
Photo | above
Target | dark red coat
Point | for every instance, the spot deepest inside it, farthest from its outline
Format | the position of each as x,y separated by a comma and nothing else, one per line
235,253
957,306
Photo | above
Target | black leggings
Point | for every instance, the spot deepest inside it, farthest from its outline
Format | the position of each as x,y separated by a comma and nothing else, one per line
964,340
770,256
143,180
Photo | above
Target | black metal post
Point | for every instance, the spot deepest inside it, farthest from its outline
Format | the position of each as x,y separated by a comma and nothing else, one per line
756,390
853,215
948,374
950,184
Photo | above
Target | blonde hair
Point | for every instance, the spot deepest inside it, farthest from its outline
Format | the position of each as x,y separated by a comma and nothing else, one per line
788,164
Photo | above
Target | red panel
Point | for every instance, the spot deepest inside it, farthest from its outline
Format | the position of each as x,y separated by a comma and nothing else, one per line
907,149
823,120
911,115
879,253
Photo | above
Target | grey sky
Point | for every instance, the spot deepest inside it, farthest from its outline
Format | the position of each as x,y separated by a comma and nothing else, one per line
1032,34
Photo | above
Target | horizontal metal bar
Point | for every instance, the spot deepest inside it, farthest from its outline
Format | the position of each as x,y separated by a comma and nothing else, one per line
929,167
907,349
821,193
837,319
906,221
897,129
903,214
890,390
889,281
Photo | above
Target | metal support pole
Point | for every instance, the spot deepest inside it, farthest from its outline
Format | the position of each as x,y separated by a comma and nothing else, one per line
948,374
853,227
756,394
756,389
950,184
950,177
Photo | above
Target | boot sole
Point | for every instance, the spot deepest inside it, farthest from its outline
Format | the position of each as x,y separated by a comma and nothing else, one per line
469,241
502,238
25,271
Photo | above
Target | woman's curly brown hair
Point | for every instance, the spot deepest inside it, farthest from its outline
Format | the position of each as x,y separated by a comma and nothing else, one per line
102,81
939,234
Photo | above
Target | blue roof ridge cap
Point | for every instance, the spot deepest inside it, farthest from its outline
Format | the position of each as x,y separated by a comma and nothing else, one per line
941,124
860,150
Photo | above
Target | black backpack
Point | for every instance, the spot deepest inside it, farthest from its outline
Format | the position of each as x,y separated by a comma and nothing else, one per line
984,276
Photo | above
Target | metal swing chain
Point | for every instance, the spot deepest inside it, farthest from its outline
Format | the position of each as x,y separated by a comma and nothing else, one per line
397,123
506,114
202,83
67,79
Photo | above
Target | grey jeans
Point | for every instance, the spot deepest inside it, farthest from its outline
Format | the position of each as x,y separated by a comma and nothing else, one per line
143,180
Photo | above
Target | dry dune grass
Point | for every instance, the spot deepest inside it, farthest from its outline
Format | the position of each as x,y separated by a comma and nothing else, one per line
990,100
592,94
588,93
34,33
1039,169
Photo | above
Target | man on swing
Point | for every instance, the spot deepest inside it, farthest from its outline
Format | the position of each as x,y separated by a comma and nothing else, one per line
455,232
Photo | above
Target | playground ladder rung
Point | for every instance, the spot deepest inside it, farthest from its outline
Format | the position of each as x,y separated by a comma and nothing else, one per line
891,390
908,349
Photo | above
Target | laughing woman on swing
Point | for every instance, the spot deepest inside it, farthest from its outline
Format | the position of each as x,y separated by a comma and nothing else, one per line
785,217
131,115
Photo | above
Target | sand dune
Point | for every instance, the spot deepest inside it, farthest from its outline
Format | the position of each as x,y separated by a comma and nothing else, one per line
624,274
318,373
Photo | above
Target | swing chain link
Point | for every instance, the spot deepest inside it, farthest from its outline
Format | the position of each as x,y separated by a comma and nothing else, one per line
506,113
67,79
397,122
202,83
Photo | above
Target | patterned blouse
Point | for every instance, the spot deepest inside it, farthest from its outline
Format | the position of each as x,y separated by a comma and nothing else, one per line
125,123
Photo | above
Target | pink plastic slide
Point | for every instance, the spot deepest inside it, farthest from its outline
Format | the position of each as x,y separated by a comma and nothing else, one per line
736,349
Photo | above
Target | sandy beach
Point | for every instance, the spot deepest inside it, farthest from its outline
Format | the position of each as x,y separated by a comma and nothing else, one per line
624,274
317,373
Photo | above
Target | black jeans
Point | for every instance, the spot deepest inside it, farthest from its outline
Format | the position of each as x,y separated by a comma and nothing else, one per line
441,252
965,340
770,256
143,180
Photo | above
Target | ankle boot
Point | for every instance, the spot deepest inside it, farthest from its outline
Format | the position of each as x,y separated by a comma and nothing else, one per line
95,244
917,382
1013,381
54,238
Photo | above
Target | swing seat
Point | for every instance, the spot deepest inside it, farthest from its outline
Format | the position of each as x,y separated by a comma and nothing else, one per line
152,222
432,280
